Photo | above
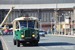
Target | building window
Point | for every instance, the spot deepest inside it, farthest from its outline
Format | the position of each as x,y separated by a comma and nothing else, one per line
48,17
44,16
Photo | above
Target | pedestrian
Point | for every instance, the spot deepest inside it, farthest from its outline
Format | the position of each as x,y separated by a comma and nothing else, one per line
0,32
6,31
66,32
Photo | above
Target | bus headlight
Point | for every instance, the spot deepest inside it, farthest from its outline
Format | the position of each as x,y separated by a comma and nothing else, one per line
33,35
22,36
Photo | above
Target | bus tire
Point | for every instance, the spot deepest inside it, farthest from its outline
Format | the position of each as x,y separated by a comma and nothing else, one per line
14,42
36,43
18,43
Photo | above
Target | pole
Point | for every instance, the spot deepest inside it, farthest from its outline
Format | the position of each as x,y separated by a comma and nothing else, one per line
39,16
71,25
64,25
55,21
40,25
55,18
51,25
59,25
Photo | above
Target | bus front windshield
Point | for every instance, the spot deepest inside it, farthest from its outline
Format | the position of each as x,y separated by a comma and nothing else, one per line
31,24
23,24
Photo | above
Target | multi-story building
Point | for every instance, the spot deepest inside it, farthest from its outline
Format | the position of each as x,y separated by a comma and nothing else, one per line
46,10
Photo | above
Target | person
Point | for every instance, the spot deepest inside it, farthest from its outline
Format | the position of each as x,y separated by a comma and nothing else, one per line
22,27
17,26
66,32
6,31
0,32
63,31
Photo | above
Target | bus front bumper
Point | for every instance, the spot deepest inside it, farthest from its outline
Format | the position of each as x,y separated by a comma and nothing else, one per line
28,40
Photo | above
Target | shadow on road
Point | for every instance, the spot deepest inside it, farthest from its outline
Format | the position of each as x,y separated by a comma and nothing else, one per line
49,44
55,44
1,48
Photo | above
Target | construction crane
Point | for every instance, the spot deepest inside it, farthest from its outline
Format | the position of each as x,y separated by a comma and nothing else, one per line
6,18
5,26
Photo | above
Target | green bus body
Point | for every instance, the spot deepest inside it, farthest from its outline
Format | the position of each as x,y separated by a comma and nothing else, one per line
26,30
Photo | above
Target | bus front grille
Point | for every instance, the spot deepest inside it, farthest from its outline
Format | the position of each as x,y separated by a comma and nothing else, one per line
27,34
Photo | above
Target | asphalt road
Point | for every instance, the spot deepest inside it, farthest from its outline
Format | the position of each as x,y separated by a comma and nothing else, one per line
45,43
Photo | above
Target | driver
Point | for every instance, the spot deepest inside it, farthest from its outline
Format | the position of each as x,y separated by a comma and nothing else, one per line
22,27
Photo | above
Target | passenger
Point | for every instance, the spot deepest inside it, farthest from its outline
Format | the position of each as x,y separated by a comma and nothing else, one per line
22,27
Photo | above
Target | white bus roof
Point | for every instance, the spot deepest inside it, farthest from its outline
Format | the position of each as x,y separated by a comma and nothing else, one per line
25,18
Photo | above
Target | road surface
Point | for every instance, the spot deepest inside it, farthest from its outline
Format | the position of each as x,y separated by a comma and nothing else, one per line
45,43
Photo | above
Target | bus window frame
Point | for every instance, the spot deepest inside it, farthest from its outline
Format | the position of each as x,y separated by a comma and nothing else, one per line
36,23
28,24
18,25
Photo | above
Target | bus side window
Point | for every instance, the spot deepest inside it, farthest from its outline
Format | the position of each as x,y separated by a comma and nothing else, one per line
36,24
17,25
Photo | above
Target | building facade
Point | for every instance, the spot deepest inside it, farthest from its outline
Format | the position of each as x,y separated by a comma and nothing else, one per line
43,9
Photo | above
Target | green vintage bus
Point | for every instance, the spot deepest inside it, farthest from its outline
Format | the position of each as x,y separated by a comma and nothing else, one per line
26,30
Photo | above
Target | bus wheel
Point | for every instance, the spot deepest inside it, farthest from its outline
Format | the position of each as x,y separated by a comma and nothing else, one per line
36,43
14,42
18,43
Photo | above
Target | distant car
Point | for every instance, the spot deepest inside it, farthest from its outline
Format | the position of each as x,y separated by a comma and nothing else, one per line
42,33
45,32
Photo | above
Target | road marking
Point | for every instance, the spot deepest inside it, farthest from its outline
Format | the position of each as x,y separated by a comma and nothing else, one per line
4,43
44,47
9,41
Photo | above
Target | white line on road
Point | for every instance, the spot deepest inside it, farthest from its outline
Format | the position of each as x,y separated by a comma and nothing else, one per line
4,43
44,48
9,41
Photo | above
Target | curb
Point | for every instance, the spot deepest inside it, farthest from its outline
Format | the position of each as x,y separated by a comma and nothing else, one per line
3,43
72,36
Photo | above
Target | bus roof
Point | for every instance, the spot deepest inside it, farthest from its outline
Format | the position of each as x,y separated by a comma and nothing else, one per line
26,18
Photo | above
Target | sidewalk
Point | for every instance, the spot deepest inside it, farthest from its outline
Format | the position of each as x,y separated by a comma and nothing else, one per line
73,36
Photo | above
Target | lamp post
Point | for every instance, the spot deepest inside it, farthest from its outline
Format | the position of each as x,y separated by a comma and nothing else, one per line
71,25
